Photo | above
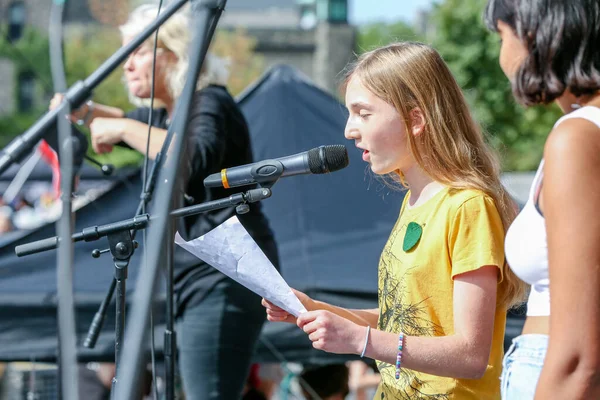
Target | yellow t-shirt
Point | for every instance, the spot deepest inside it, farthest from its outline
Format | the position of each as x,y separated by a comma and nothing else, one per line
461,231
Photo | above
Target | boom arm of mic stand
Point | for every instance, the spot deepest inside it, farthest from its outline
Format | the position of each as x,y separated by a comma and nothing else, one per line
141,221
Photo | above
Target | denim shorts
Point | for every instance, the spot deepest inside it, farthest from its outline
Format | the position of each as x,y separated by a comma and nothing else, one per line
522,366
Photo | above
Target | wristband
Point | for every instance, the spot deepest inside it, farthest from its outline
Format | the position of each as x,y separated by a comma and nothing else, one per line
366,341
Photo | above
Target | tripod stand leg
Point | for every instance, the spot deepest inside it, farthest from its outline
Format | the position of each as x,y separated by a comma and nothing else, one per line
98,321
170,343
170,351
120,279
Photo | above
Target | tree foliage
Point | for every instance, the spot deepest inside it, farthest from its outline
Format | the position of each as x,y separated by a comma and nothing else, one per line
245,66
472,53
375,35
27,55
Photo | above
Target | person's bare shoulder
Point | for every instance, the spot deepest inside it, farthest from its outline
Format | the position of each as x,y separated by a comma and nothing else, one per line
574,141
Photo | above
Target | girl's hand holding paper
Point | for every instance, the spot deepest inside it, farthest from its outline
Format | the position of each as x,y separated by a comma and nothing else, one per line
278,314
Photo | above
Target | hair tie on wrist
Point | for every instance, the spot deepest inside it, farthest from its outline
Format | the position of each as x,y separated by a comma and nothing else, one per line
366,341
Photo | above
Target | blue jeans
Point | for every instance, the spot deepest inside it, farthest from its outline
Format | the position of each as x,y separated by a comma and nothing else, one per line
216,341
522,366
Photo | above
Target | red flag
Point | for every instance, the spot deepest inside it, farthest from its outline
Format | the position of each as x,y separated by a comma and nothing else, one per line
51,158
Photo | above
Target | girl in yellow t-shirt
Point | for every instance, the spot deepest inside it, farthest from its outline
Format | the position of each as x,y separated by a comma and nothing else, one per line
444,286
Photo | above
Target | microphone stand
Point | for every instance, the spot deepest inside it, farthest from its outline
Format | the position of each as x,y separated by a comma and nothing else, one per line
145,197
119,235
121,246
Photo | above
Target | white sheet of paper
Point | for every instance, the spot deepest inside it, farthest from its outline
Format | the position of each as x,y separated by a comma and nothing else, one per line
230,249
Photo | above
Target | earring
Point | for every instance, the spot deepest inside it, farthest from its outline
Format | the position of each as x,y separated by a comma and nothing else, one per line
575,106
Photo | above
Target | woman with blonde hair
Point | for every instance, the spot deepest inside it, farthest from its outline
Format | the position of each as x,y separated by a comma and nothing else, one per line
218,320
444,286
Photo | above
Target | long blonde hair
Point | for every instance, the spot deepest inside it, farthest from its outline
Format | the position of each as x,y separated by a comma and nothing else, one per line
174,35
451,149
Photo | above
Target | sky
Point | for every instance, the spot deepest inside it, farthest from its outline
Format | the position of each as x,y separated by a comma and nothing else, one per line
364,11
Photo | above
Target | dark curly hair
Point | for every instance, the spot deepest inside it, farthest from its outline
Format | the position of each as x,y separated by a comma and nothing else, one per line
563,41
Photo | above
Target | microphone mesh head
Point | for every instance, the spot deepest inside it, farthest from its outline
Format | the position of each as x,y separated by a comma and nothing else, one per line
324,159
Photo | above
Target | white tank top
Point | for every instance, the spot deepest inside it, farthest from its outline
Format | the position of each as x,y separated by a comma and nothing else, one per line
526,246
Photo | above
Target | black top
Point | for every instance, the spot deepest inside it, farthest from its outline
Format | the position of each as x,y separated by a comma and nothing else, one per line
217,138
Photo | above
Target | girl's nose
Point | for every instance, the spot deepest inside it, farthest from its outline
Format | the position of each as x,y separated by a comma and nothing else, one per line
350,132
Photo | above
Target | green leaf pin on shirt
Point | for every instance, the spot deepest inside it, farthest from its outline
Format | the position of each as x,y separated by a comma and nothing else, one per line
412,236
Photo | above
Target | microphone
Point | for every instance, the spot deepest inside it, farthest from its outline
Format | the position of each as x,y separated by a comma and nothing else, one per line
319,160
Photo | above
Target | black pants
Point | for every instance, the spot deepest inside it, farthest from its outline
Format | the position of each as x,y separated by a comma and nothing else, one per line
216,342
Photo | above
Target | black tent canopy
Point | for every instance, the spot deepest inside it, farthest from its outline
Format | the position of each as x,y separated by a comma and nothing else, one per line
329,228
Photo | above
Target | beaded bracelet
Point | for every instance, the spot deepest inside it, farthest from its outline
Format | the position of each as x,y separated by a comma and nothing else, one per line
399,356
366,341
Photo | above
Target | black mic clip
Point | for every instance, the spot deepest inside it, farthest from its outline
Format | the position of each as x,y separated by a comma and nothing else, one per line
266,173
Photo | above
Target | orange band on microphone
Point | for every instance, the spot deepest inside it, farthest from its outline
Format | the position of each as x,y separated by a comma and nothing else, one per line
224,178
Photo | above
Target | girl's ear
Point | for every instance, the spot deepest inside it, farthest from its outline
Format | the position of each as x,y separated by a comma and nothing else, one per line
417,121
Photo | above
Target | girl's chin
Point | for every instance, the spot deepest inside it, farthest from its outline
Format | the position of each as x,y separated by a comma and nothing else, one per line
376,170
380,170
